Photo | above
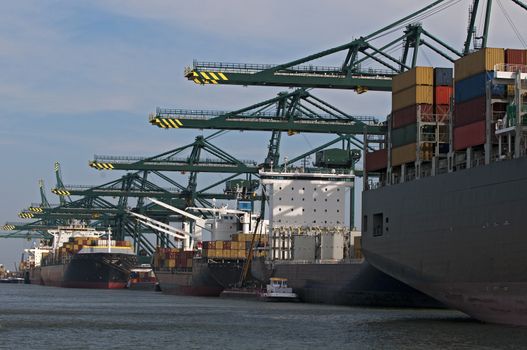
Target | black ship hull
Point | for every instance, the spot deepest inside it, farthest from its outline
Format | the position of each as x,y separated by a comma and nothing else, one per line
459,237
353,283
95,270
205,278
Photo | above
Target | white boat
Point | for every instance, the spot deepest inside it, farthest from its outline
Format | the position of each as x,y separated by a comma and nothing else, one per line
278,290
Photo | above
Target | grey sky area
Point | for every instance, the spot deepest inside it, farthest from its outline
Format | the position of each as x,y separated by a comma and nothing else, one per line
79,78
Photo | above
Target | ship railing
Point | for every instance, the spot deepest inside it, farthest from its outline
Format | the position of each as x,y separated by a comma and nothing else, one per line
510,67
252,68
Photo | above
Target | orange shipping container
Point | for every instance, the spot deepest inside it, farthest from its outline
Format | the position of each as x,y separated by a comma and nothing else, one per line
478,62
412,96
469,135
412,77
442,95
404,154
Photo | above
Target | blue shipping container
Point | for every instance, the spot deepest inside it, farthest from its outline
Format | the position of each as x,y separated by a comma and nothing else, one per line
443,76
475,86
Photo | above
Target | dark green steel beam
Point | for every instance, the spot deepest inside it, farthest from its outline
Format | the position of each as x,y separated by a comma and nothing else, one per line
347,127
517,2
166,166
330,81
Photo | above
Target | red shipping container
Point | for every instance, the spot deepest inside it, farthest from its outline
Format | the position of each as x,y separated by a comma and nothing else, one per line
376,160
442,95
469,135
408,115
470,111
515,56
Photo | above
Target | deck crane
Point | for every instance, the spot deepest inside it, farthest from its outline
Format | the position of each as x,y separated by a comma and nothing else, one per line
200,223
164,228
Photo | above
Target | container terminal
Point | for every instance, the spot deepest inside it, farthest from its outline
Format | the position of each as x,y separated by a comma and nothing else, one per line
453,138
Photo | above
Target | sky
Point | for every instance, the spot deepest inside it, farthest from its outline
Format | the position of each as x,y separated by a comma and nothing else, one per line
79,78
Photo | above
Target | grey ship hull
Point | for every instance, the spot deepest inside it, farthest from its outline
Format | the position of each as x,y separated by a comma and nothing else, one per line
354,283
459,237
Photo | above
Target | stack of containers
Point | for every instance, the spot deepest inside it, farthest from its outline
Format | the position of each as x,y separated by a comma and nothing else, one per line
412,94
471,75
443,89
224,250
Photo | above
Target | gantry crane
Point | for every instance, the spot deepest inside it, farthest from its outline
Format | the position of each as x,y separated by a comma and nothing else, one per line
292,112
352,73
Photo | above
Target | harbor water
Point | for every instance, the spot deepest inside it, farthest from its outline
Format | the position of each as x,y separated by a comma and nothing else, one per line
37,317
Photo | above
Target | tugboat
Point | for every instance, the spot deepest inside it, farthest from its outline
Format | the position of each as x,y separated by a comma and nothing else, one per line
278,290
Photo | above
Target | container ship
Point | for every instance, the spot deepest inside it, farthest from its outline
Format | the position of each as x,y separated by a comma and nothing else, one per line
211,259
305,240
81,258
444,212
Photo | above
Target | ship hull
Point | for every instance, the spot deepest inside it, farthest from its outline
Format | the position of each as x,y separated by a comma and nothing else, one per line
205,278
458,237
97,271
353,283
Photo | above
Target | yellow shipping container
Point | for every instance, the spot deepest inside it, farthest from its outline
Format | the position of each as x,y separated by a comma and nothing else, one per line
219,244
477,62
412,77
412,96
404,154
212,253
241,254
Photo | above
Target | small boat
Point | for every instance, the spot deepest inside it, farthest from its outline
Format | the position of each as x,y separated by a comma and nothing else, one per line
278,290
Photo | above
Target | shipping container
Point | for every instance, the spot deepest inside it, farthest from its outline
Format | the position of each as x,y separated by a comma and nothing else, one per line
376,160
478,62
405,135
475,86
469,135
443,76
470,111
442,95
516,56
412,96
404,154
408,115
413,77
